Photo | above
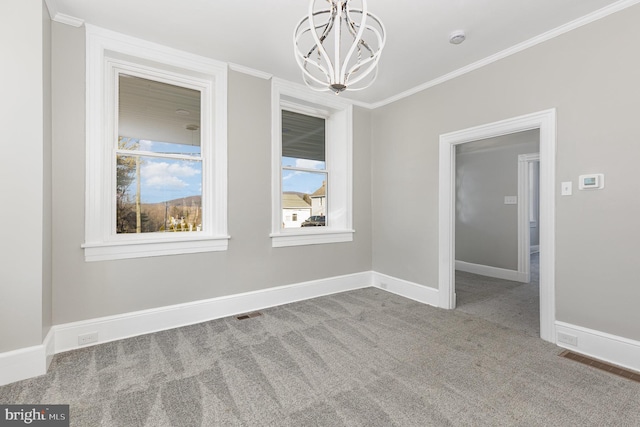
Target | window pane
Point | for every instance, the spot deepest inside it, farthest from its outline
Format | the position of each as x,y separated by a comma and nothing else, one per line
127,143
157,195
150,111
304,199
303,163
303,137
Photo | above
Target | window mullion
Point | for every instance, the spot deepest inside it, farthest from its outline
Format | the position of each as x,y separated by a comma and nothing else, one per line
158,155
294,168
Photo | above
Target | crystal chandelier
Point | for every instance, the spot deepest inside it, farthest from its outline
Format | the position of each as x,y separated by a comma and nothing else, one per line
338,47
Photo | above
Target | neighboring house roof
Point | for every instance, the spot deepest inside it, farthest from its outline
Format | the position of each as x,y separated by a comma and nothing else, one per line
292,201
322,191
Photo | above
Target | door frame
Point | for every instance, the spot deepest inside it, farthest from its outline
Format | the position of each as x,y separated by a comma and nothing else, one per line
524,225
545,121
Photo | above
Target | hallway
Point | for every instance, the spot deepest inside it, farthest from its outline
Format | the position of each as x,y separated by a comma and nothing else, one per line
511,304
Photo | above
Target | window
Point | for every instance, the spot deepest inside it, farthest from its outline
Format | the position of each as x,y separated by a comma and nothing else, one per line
304,171
156,150
312,146
158,158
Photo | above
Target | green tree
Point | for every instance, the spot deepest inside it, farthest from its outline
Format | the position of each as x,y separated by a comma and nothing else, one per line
126,221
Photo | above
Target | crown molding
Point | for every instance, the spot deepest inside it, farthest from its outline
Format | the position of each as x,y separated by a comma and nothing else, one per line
250,71
68,20
52,6
584,20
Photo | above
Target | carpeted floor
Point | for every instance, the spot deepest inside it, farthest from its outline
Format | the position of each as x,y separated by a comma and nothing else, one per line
359,358
512,304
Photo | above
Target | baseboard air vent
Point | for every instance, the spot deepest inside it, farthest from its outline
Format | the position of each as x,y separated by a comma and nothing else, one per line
616,370
249,315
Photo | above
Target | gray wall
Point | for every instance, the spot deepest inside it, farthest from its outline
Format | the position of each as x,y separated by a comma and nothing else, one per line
591,76
486,172
87,290
22,275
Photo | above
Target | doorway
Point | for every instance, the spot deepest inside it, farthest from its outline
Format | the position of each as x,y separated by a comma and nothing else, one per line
496,224
545,121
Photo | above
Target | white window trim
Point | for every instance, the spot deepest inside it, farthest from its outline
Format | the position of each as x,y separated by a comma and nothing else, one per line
105,49
339,161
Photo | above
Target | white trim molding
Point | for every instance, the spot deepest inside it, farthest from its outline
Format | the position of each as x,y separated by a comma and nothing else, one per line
407,289
311,237
67,20
250,71
546,122
600,345
127,325
33,361
108,54
524,224
489,271
27,362
339,164
541,38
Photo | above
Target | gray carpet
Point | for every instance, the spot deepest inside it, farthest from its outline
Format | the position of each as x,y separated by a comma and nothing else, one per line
512,304
360,358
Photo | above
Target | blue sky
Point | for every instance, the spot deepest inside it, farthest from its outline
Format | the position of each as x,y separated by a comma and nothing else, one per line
167,179
302,181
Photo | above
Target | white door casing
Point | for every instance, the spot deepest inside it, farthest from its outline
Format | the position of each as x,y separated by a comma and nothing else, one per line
524,228
545,121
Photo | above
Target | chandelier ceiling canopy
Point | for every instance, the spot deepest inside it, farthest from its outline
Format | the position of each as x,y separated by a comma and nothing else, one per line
338,46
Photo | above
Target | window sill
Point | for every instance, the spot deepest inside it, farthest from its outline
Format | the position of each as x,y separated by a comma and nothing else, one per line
311,237
105,251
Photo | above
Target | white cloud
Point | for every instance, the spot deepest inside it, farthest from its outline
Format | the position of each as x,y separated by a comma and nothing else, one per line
167,175
146,145
309,164
290,175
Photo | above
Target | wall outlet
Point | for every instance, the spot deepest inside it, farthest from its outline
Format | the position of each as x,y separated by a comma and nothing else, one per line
568,339
88,338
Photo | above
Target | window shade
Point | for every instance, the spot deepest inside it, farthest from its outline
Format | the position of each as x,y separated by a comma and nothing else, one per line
303,137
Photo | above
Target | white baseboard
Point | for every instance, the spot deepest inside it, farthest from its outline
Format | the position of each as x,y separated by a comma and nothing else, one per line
33,361
127,325
411,290
26,362
485,270
600,345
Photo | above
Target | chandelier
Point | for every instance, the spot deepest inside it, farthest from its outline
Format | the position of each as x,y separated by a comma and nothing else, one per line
338,47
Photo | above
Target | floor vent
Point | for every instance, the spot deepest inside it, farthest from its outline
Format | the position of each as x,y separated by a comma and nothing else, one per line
616,370
249,315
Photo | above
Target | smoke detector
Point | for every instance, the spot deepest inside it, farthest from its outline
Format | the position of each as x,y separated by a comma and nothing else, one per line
457,37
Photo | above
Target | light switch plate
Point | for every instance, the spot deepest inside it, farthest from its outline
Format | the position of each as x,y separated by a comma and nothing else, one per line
567,188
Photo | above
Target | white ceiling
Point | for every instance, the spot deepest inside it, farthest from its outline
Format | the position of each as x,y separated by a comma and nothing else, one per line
258,33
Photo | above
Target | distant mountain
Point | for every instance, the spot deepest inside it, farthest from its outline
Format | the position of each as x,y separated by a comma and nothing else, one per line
187,201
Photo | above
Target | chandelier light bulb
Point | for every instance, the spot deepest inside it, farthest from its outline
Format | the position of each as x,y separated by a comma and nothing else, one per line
338,47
